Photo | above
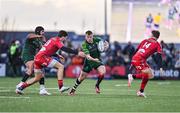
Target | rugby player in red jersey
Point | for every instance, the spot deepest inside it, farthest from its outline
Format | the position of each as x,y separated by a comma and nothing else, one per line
145,49
43,59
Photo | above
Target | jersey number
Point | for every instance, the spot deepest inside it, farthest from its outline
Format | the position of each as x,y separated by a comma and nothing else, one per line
46,44
145,46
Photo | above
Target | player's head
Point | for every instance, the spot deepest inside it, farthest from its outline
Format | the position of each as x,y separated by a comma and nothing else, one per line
63,34
89,36
155,34
39,30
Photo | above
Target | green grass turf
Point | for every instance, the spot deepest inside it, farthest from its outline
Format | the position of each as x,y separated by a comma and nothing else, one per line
162,96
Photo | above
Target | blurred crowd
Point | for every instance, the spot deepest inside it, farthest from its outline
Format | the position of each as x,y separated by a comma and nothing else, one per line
170,20
117,55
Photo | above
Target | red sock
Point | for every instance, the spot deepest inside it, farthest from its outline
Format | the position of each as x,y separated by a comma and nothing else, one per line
24,85
60,83
100,78
139,75
144,82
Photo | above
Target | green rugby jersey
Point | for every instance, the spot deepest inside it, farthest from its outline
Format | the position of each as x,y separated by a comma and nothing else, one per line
31,47
91,48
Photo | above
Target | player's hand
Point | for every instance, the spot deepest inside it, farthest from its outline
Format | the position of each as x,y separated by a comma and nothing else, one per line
96,60
106,45
62,59
161,71
80,53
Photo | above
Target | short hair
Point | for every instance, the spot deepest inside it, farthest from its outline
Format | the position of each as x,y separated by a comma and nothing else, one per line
156,33
62,33
38,29
89,32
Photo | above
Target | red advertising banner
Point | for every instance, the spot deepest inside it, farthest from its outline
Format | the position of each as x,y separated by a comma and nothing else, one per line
118,70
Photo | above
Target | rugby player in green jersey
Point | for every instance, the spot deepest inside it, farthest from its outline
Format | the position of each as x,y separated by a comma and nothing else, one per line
33,44
92,61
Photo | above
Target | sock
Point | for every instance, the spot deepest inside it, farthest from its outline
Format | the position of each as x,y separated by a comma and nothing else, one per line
60,83
76,84
143,83
25,77
42,87
139,75
41,82
24,85
100,78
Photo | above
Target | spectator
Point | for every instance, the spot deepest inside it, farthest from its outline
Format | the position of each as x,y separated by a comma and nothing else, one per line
129,50
157,20
149,22
14,54
118,59
171,13
3,51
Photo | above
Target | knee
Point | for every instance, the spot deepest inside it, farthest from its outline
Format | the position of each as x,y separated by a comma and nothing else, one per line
60,66
29,72
37,78
151,76
82,75
102,72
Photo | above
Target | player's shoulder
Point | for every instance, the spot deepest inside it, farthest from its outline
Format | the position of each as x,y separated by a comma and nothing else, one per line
55,39
84,43
30,36
97,39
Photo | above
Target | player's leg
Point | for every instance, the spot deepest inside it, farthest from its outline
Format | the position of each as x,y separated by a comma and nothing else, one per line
101,70
43,90
138,66
147,74
86,69
38,75
60,74
78,81
28,73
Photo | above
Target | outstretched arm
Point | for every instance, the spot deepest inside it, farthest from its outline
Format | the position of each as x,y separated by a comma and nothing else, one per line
31,35
72,51
159,57
69,50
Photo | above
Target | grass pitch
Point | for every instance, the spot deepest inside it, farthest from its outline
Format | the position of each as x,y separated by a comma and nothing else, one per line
162,96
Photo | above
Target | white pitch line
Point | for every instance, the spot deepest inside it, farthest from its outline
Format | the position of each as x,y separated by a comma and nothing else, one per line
51,88
14,97
117,85
163,83
5,90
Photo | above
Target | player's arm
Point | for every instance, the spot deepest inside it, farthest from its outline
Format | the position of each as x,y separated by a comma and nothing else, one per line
43,39
31,36
72,51
159,54
106,45
62,59
69,50
87,54
159,57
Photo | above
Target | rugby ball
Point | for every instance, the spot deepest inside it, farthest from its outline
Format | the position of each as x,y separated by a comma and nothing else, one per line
101,47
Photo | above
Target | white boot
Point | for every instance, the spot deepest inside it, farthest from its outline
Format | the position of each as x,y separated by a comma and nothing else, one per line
140,94
43,91
63,89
